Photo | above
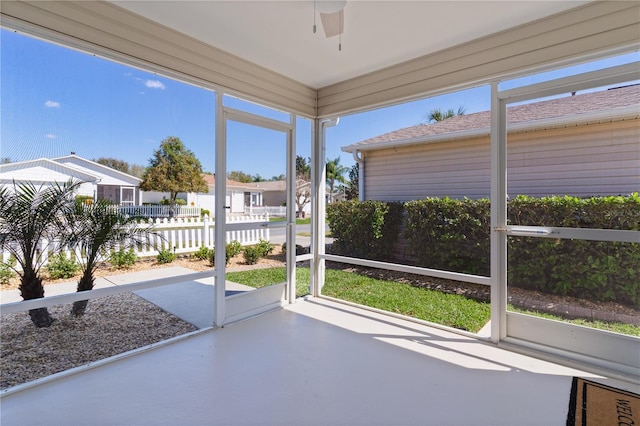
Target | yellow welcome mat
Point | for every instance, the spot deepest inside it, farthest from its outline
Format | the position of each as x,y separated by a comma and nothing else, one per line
600,405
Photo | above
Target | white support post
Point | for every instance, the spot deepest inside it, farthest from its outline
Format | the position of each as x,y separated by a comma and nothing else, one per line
318,202
291,211
498,216
220,212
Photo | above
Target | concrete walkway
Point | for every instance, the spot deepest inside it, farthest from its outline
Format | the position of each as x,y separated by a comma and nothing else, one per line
191,301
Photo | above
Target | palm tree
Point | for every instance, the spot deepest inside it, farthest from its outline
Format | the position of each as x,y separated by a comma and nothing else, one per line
31,220
95,229
437,114
335,172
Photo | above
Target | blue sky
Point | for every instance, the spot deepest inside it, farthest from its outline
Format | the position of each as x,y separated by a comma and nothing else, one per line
56,100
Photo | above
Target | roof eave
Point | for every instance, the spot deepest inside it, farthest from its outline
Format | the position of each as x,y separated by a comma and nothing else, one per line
617,114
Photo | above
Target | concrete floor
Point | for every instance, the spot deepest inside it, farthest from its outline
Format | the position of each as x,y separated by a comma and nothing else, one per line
314,362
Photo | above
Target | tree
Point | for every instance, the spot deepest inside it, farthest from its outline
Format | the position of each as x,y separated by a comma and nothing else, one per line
303,166
303,183
239,176
114,163
353,188
30,217
173,169
137,170
5,160
257,178
93,230
437,114
335,173
280,177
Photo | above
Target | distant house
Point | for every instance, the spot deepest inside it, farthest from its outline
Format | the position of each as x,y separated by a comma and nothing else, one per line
581,145
275,192
239,195
100,182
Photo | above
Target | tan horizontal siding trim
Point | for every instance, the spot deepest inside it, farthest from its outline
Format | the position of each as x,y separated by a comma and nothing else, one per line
571,160
106,29
595,27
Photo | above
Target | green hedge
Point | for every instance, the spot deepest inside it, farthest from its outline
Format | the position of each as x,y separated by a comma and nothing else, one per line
449,234
367,230
454,235
596,270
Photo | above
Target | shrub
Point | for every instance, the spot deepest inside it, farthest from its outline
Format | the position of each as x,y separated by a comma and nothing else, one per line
205,212
202,253
232,249
265,248
6,270
179,202
165,256
454,235
596,270
123,259
60,266
252,254
366,229
450,234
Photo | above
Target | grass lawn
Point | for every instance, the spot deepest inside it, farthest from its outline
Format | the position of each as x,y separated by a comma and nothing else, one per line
429,305
305,221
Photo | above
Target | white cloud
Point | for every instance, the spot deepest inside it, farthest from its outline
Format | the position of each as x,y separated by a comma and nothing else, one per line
52,104
50,136
154,84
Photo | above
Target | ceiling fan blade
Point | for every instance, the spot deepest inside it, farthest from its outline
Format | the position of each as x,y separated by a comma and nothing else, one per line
333,23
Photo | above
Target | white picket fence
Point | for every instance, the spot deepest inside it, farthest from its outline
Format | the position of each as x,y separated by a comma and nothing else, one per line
276,211
179,235
159,211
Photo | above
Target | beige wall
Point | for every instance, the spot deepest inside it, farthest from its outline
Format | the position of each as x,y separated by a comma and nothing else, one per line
598,159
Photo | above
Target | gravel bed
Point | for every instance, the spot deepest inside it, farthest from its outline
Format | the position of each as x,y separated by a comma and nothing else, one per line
111,325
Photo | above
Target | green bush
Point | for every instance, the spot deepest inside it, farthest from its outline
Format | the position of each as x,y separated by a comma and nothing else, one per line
165,256
202,253
596,270
252,254
205,212
59,266
366,229
6,270
264,247
454,235
449,234
123,259
232,249
179,202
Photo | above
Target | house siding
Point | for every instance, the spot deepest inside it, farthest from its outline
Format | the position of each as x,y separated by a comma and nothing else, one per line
596,159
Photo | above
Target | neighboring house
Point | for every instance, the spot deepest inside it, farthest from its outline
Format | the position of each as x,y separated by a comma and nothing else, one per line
99,181
275,192
581,145
113,185
238,196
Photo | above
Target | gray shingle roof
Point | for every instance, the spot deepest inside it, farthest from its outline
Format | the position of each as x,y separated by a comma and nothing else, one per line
569,106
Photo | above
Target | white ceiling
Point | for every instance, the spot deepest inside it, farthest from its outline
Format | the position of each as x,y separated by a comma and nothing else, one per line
278,34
